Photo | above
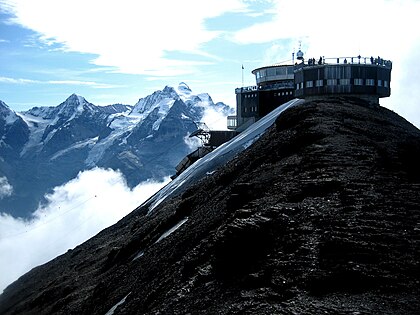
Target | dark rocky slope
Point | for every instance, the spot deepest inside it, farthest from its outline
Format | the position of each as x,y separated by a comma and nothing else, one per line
320,216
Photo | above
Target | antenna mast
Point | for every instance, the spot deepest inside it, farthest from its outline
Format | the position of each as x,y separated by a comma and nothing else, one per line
242,75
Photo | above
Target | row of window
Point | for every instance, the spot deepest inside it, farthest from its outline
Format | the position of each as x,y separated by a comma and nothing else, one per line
275,94
281,70
283,93
250,95
318,83
251,109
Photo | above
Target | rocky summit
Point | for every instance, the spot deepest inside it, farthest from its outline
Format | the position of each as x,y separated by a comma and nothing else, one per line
320,216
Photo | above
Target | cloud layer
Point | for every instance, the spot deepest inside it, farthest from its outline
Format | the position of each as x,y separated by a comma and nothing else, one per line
132,36
75,212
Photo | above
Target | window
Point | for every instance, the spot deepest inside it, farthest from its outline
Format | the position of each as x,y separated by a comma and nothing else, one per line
231,121
332,82
309,84
280,71
301,85
358,81
297,86
319,82
386,84
344,81
379,82
370,82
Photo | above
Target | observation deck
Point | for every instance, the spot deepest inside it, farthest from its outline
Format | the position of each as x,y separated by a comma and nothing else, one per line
364,77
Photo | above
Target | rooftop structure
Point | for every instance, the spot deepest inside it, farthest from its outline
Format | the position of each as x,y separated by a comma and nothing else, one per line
365,77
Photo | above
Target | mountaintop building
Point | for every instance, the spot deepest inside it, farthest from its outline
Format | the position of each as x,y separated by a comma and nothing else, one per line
365,77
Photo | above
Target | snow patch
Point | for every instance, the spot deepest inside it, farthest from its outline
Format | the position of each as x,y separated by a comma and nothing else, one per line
112,310
171,230
37,126
139,254
78,145
10,118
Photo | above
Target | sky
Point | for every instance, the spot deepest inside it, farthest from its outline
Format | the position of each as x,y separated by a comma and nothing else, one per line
119,51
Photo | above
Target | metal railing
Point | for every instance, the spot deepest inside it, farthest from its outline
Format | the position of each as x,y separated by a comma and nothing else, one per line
279,85
375,61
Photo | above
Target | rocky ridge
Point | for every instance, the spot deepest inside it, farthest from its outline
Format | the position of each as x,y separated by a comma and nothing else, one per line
321,215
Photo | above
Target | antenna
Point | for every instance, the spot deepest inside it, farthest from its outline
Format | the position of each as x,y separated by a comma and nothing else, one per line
242,75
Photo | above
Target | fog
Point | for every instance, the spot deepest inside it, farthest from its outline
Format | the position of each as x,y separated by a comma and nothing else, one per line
74,212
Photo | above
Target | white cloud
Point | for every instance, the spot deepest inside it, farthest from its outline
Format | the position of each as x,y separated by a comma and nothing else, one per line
58,82
16,81
6,189
85,83
214,119
75,212
192,142
132,36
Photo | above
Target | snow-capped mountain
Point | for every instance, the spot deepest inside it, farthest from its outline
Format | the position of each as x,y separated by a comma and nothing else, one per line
47,146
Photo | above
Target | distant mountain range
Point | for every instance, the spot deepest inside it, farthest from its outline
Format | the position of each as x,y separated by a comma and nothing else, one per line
47,146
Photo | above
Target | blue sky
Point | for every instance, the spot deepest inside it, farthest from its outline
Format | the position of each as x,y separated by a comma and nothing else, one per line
119,51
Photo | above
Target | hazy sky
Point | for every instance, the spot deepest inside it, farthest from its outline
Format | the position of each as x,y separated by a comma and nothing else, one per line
119,51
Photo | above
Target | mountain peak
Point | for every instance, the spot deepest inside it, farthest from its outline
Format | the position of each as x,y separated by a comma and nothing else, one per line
3,105
73,106
7,114
75,99
4,108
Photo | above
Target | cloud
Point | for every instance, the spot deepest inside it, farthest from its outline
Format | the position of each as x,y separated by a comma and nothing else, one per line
192,142
16,81
58,82
6,189
132,36
215,118
83,83
75,212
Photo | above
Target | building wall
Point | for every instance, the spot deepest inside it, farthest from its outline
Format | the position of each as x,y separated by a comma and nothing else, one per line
254,104
358,79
